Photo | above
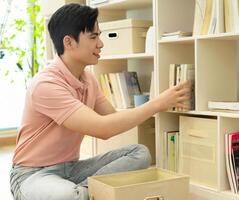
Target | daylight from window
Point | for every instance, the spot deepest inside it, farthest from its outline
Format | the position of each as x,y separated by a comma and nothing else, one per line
12,83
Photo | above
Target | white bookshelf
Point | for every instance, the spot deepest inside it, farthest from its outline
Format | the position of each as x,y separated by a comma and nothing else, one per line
216,61
186,40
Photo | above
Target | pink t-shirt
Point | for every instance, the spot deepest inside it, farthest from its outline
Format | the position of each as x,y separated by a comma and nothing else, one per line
52,97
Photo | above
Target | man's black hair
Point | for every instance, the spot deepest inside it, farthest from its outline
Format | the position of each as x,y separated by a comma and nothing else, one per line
71,19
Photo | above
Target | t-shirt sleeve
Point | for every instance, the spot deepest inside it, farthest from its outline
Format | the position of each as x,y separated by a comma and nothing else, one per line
55,101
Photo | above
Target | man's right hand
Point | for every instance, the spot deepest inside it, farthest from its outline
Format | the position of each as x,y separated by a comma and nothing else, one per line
173,97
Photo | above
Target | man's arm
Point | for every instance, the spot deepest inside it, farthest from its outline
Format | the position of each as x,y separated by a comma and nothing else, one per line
105,108
88,122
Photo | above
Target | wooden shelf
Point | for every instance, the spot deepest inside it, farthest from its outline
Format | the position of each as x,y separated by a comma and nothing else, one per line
124,4
221,36
127,56
230,114
193,112
185,40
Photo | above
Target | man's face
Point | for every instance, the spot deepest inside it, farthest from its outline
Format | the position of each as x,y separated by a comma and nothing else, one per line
87,50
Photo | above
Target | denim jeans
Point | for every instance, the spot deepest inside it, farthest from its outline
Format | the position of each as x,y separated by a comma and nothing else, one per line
68,181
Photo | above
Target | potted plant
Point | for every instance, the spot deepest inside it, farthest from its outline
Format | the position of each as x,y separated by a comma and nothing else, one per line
30,58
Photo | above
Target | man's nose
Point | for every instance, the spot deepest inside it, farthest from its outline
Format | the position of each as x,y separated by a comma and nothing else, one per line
100,44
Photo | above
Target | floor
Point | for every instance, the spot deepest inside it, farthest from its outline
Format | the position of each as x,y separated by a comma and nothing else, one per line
5,165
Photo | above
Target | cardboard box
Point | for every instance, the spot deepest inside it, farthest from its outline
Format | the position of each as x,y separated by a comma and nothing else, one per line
198,150
124,36
148,184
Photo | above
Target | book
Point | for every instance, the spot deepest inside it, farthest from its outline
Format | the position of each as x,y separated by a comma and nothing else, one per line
227,14
173,77
123,90
95,2
110,90
228,163
208,17
231,10
183,72
116,91
235,15
188,74
171,150
223,105
217,18
133,86
235,157
106,88
173,74
120,88
232,160
199,16
175,35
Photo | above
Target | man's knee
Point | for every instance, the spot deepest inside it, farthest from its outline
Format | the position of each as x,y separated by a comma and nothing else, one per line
82,193
144,156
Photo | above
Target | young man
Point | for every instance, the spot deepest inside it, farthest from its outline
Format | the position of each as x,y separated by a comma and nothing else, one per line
63,104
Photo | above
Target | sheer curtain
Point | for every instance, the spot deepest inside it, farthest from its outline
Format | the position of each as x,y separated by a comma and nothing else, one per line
12,84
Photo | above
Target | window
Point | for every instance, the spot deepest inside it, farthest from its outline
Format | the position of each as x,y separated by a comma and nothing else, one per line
12,83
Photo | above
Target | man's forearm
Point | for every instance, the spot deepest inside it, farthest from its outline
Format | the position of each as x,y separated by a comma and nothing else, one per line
124,120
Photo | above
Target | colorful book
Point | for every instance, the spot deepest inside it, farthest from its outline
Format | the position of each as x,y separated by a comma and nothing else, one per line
223,105
171,150
232,160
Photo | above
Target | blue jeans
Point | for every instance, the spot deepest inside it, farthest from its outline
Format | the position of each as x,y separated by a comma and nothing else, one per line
68,181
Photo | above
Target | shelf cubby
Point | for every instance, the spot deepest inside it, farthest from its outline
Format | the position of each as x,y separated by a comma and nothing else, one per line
173,53
216,71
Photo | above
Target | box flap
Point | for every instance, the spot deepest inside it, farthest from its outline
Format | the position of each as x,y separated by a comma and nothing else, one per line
145,176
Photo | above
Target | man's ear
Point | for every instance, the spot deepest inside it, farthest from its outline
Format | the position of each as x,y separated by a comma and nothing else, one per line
68,42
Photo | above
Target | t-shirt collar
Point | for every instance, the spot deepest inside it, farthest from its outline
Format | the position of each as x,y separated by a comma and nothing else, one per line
71,79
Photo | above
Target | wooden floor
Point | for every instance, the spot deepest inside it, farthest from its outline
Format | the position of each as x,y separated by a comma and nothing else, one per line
5,166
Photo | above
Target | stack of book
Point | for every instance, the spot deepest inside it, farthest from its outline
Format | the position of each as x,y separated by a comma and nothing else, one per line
171,150
209,17
183,72
223,106
232,160
120,88
96,2
175,35
216,16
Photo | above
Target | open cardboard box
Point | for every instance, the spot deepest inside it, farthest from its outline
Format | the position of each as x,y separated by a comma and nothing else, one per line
148,184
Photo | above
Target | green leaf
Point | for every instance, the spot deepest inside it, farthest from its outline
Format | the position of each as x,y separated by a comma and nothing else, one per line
19,65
